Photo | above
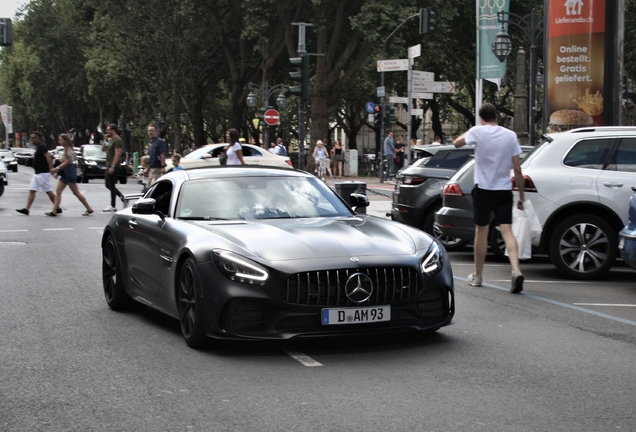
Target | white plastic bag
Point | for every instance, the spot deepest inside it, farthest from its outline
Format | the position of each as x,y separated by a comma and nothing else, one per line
525,226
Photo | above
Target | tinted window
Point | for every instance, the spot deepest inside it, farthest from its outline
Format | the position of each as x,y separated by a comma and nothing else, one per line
448,159
589,153
624,158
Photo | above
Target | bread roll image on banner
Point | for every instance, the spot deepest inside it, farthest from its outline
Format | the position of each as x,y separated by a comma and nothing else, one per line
567,119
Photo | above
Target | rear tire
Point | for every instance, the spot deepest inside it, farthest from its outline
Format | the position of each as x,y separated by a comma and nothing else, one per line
496,243
451,244
583,247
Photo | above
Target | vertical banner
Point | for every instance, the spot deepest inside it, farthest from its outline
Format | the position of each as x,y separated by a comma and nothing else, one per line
575,64
488,66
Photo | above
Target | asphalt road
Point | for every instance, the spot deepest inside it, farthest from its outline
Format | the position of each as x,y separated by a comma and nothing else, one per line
559,357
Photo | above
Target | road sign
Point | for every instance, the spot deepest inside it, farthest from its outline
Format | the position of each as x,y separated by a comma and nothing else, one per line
370,107
381,91
415,51
393,65
423,76
271,117
434,87
420,95
397,99
417,112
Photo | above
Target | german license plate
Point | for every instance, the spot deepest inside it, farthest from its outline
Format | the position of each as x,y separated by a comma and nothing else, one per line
356,315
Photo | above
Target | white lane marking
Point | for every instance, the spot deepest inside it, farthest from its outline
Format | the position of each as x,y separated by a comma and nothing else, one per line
305,360
57,229
604,304
10,231
556,303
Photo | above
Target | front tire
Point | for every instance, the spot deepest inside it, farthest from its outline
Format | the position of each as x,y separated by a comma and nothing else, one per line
190,305
583,247
112,277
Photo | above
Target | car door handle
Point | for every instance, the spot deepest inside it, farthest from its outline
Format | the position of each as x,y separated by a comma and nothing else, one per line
132,224
613,184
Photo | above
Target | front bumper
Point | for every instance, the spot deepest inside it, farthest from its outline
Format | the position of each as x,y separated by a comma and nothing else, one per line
627,246
270,312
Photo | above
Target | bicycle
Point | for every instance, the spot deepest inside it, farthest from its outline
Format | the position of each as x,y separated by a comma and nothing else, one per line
322,164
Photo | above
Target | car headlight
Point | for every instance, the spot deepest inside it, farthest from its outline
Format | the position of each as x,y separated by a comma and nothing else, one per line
432,262
91,162
239,269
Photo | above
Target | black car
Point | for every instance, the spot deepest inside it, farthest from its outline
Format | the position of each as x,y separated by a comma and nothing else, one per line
251,252
418,191
24,156
455,218
91,164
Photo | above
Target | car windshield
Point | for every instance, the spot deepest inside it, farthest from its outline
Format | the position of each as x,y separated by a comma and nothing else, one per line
248,198
94,152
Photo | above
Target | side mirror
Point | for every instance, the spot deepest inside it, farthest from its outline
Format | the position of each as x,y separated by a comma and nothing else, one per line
146,206
359,200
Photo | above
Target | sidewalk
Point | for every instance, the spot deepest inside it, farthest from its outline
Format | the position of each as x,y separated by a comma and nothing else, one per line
379,194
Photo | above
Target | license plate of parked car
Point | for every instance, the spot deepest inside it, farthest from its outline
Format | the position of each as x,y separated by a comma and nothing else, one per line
356,315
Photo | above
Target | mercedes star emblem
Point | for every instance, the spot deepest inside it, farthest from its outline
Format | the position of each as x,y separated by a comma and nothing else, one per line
359,288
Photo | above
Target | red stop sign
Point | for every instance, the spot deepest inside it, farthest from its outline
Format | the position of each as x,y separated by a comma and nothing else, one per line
271,117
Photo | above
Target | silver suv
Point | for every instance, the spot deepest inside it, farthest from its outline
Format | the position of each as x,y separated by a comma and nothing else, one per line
580,184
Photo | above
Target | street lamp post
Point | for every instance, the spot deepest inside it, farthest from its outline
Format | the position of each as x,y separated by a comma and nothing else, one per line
266,92
532,27
160,121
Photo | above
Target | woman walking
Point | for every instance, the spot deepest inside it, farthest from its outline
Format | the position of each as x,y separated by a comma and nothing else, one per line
338,159
234,150
67,176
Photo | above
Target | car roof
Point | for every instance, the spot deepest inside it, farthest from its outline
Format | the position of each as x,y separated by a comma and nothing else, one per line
234,171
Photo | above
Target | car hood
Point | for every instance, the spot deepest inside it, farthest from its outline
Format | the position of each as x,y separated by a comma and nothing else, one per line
280,239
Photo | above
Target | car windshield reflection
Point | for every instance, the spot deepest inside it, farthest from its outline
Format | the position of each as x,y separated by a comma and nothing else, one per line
258,198
94,152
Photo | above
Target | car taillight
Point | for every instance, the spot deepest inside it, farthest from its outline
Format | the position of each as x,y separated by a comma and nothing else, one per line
528,184
289,162
452,189
412,181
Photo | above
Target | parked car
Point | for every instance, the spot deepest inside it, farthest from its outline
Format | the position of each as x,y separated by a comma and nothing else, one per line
418,191
24,156
4,178
91,164
245,252
421,154
208,155
455,218
580,183
9,160
627,237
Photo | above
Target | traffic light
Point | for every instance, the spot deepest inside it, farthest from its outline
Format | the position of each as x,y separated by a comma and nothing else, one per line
301,76
261,117
426,21
391,115
6,32
377,119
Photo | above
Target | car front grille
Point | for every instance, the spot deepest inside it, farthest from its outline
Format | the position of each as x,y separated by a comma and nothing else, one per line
327,287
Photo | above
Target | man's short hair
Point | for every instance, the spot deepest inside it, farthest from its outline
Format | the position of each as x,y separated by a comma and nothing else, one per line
488,112
113,127
39,135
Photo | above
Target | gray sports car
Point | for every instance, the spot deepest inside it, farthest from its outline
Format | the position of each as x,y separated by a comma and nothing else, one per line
266,253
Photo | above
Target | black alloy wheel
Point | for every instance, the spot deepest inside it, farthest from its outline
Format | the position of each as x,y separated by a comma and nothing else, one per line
584,247
451,244
112,278
190,305
496,243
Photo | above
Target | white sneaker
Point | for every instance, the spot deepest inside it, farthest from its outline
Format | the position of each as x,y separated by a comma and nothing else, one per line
109,209
474,280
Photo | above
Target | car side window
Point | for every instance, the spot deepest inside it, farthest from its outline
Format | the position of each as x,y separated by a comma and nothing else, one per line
162,192
624,158
589,153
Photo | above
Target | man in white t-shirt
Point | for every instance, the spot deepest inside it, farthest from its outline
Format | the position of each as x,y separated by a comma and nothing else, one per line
272,148
497,151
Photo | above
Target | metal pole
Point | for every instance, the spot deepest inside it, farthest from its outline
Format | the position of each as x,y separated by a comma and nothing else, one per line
265,125
301,103
533,77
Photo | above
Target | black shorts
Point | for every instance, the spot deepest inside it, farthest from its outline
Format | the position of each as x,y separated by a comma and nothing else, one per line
486,202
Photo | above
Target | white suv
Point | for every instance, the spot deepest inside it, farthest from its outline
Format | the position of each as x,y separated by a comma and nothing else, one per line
580,184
